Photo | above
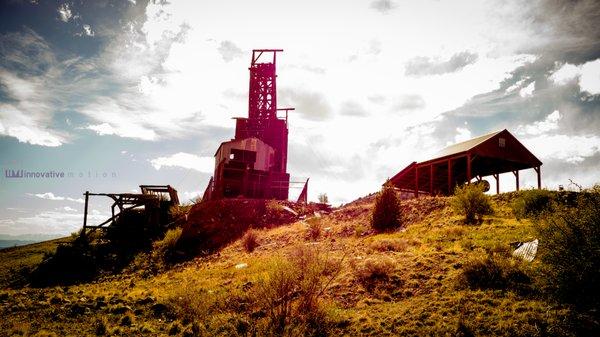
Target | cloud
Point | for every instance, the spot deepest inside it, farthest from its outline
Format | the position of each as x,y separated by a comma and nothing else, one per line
49,222
528,90
185,160
351,108
87,30
424,66
309,105
586,75
540,127
28,76
64,12
408,102
382,6
51,196
462,134
229,51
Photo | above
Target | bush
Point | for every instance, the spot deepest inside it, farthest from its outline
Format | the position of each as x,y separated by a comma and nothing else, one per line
291,293
323,199
532,203
250,241
470,201
386,214
570,250
494,272
315,228
374,271
166,247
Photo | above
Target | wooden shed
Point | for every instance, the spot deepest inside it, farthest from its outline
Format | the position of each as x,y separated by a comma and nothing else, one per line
488,155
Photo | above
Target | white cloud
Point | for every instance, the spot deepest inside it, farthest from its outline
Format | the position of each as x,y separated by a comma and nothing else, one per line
528,90
64,12
51,196
587,75
49,222
87,30
69,209
550,123
462,134
572,149
190,196
185,160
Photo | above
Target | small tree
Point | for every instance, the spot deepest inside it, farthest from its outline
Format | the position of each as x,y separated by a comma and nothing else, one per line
323,199
386,214
470,201
570,250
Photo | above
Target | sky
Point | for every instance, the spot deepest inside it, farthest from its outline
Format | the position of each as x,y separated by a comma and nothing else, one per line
115,94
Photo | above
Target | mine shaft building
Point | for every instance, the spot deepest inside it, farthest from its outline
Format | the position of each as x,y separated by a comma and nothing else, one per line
254,163
489,155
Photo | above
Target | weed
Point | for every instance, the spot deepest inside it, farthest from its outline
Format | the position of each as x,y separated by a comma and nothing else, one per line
250,240
570,250
386,213
470,201
315,228
165,248
494,272
389,245
532,203
373,271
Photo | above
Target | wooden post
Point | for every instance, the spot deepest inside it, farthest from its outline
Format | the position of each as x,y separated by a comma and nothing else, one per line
516,173
431,179
85,212
538,170
449,176
416,181
468,168
497,177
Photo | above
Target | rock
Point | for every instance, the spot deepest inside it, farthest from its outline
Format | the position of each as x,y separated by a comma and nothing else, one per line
120,309
159,309
146,300
241,266
77,309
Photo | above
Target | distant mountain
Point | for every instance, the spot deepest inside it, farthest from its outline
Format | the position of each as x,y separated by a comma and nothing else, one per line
13,243
8,240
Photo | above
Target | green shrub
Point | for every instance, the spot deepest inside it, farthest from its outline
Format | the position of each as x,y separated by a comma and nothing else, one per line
166,247
494,272
291,294
373,271
250,241
570,250
532,203
315,228
386,213
323,198
470,201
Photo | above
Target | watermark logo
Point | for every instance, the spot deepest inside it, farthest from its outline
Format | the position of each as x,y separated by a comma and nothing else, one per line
51,174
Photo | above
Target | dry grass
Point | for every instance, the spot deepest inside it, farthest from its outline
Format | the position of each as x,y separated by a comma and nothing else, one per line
402,283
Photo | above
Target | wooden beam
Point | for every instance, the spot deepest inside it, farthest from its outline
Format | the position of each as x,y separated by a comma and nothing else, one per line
516,173
538,170
449,176
85,212
497,177
416,182
468,168
431,179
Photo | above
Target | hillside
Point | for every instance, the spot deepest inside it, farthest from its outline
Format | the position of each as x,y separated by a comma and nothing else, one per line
403,283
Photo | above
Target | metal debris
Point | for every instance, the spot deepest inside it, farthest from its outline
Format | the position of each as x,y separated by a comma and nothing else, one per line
527,250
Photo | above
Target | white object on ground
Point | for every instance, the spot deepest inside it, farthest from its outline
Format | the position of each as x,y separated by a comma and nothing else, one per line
527,250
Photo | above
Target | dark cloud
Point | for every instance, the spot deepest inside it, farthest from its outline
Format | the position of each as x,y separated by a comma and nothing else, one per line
229,51
409,102
310,105
383,6
354,109
423,66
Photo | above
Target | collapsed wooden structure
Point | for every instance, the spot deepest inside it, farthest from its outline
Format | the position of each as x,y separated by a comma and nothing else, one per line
153,200
489,155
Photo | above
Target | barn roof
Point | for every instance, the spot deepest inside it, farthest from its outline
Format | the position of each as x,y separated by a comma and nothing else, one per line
490,154
465,146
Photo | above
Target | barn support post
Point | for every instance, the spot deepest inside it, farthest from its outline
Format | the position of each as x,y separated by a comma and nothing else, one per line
516,173
468,168
449,176
85,212
538,170
416,182
497,177
431,179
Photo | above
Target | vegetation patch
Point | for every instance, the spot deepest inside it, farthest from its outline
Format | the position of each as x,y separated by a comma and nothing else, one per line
470,202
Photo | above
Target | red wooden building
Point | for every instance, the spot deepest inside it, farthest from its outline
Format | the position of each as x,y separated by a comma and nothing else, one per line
488,155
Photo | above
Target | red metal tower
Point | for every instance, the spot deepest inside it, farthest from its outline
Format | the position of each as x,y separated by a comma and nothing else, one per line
240,167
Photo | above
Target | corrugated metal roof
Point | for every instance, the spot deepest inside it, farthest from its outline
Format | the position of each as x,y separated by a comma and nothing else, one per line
465,146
